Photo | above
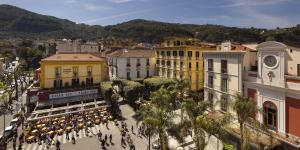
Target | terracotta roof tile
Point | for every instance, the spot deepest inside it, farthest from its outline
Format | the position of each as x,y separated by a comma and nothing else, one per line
72,57
132,53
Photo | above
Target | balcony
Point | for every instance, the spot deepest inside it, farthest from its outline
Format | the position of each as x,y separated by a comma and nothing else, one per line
138,65
128,65
292,82
250,76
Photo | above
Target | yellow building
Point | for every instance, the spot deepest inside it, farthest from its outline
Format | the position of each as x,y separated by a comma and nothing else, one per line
181,58
71,70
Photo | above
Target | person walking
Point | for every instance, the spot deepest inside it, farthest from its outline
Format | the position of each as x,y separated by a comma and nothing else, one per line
132,129
57,145
99,135
105,137
110,138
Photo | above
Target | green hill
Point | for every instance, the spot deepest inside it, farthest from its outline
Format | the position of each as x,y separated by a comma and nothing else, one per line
17,22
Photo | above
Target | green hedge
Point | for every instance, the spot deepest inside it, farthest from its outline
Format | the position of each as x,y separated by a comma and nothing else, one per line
154,83
106,90
132,91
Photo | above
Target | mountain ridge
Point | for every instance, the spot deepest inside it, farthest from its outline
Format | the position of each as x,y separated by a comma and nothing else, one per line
21,23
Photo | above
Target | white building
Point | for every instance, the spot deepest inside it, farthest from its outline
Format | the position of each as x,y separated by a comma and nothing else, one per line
269,76
131,64
275,87
77,46
223,73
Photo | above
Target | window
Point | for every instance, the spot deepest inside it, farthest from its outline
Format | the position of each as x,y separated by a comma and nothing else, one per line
181,64
168,53
181,53
157,62
89,70
197,55
298,69
138,74
224,103
128,62
210,65
168,74
128,75
190,65
190,54
163,62
270,117
89,81
223,66
57,83
210,81
75,72
291,50
57,72
175,74
148,62
157,53
211,99
163,53
147,75
224,84
197,65
175,53
175,64
168,63
138,62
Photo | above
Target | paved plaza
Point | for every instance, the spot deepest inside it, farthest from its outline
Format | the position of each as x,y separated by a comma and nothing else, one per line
91,141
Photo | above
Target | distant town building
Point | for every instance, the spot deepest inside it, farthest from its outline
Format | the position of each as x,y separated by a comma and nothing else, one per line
181,58
223,73
131,64
2,66
77,46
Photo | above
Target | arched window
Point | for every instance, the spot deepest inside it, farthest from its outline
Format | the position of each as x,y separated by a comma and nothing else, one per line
270,115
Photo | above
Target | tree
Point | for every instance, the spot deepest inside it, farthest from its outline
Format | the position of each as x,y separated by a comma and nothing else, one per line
201,123
245,109
5,107
157,121
181,88
157,115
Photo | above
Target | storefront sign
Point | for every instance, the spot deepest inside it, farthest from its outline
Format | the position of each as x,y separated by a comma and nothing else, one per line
75,93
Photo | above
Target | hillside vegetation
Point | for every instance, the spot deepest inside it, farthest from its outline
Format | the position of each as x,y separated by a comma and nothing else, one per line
17,22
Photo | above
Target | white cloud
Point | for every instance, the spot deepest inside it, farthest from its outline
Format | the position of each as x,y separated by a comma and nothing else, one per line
71,1
93,7
120,1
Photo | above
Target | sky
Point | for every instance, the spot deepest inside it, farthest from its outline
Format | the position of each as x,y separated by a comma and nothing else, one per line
238,13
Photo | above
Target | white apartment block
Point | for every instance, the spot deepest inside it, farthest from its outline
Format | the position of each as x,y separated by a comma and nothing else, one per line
223,73
131,64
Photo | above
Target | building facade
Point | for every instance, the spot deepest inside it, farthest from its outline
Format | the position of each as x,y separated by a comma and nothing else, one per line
131,64
181,58
65,70
275,87
77,46
223,73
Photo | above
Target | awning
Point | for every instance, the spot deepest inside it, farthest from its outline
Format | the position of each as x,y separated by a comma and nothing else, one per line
8,128
68,100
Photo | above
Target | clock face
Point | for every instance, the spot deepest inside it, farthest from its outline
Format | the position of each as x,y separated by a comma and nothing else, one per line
270,61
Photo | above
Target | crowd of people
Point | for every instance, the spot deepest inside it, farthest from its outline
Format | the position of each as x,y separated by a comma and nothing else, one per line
44,130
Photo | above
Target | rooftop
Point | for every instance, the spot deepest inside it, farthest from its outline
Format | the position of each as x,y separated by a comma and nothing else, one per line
72,57
132,53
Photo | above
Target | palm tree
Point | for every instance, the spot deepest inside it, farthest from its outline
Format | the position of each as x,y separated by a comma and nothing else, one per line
157,116
157,120
245,108
181,87
201,123
162,99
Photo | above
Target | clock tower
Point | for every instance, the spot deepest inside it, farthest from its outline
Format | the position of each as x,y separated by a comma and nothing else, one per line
271,63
